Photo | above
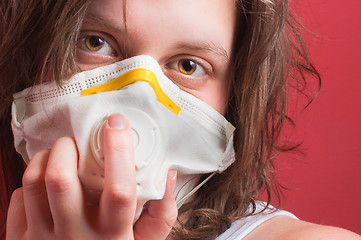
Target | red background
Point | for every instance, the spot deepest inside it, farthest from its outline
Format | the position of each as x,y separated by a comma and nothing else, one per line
326,181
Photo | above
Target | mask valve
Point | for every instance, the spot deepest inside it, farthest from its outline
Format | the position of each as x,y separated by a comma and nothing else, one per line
146,138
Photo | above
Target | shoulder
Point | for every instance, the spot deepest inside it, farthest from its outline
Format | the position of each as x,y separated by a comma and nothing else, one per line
285,228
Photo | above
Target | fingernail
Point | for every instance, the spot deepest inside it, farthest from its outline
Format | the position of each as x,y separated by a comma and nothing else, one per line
172,177
116,121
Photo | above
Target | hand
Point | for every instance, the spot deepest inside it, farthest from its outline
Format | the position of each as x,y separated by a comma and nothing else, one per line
51,204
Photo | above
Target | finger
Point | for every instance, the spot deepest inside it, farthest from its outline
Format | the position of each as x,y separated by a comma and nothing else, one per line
159,217
35,197
64,187
118,200
16,220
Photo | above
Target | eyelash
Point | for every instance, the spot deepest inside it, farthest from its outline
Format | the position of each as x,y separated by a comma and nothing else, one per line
181,64
105,48
200,66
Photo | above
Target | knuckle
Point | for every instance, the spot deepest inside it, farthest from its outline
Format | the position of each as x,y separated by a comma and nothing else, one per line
121,195
33,177
32,180
58,181
119,142
167,213
120,147
170,216
169,220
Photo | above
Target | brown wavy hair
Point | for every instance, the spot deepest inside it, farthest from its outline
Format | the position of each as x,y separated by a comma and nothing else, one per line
270,58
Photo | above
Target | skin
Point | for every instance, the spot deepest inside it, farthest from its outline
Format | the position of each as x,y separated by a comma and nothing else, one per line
50,205
170,32
284,228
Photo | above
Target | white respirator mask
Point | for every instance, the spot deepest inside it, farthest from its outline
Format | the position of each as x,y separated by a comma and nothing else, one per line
171,128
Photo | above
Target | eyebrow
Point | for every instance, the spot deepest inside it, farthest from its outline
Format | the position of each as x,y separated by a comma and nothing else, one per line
107,23
208,46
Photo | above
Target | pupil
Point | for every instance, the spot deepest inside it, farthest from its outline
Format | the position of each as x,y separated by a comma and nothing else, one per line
188,66
95,41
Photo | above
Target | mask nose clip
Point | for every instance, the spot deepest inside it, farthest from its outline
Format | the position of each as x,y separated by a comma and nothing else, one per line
140,74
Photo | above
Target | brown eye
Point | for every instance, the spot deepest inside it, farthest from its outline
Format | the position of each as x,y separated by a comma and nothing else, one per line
93,43
187,67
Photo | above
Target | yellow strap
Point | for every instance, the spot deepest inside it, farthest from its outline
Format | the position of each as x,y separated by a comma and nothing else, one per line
139,74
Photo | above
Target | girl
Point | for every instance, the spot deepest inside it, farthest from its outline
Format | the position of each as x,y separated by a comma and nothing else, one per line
235,56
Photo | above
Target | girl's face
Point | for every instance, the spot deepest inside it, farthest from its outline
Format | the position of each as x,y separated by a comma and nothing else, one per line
191,40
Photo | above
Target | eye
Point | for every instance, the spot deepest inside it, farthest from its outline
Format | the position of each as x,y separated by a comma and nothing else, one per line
188,67
96,44
93,43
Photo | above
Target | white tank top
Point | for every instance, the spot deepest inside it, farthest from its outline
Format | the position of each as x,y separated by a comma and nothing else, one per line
242,227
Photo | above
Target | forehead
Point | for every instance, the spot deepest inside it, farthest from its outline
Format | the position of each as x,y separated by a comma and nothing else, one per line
169,20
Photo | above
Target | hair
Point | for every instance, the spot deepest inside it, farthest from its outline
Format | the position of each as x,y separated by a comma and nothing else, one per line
269,58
